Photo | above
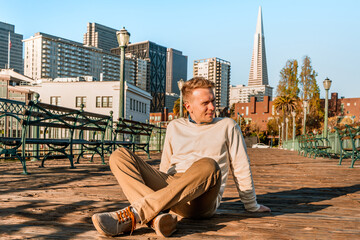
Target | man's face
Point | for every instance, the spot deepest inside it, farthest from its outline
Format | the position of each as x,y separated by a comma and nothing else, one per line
200,105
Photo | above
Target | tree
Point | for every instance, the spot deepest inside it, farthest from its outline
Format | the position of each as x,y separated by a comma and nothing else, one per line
309,87
176,109
255,128
272,127
332,122
232,109
345,121
289,81
311,92
286,104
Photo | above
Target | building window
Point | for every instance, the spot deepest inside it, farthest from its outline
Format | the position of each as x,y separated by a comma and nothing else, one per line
131,103
80,101
98,102
104,102
55,100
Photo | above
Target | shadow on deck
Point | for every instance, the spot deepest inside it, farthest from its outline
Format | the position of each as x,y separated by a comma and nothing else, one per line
310,199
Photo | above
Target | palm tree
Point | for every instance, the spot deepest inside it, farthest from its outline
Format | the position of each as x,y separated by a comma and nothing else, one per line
176,108
287,104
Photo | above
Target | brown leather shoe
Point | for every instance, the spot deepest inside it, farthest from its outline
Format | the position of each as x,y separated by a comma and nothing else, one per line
164,224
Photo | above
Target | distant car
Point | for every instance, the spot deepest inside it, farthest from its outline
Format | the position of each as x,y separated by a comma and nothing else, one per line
260,145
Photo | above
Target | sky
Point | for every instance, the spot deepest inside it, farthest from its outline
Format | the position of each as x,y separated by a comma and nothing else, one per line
326,31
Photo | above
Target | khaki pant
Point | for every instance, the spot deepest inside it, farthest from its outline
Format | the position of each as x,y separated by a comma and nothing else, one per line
191,194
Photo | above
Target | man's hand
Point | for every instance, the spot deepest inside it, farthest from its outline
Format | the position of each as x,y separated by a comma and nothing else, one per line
263,209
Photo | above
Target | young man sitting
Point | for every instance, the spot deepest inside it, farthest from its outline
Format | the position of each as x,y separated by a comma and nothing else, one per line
198,154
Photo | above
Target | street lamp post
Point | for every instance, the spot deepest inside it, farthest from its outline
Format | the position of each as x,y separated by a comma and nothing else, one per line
279,135
180,85
239,119
304,124
293,134
287,128
327,85
282,135
123,38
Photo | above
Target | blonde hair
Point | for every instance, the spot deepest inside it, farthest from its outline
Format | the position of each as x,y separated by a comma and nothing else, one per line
194,83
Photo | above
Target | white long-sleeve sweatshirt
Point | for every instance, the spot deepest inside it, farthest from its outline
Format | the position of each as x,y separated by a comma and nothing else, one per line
221,140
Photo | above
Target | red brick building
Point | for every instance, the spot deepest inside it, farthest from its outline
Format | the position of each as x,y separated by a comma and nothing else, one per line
261,112
258,112
164,116
347,107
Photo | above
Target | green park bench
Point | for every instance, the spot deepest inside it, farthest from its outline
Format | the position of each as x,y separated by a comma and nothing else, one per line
349,141
60,129
11,115
321,146
40,131
310,144
133,135
302,144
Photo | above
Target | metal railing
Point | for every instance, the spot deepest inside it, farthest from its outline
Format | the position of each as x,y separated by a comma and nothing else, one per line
332,137
12,114
157,138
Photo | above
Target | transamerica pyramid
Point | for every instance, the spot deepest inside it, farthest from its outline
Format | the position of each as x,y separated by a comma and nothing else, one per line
258,69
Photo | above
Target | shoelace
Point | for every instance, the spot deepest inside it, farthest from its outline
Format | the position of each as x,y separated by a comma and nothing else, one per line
124,215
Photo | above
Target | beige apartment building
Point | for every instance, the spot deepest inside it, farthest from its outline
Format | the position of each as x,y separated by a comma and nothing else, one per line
217,71
48,56
100,36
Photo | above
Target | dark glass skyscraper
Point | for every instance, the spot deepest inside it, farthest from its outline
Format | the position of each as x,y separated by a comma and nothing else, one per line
176,69
156,55
16,50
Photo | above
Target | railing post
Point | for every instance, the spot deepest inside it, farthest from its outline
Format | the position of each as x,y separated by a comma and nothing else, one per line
159,139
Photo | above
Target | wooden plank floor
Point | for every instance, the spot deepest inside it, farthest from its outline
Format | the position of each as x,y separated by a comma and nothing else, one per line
310,199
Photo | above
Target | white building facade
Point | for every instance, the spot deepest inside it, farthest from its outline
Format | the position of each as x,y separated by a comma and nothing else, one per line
97,97
241,93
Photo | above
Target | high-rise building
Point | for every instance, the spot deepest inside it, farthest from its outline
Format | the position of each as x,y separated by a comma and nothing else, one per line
217,71
156,56
8,37
176,69
258,69
258,84
48,56
100,36
137,72
170,99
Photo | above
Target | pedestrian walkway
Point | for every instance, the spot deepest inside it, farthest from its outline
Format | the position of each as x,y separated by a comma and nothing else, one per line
310,199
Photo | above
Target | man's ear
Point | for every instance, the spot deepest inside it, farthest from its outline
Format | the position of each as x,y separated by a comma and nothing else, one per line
187,106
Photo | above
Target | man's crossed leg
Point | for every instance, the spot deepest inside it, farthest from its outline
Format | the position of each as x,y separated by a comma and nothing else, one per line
192,194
